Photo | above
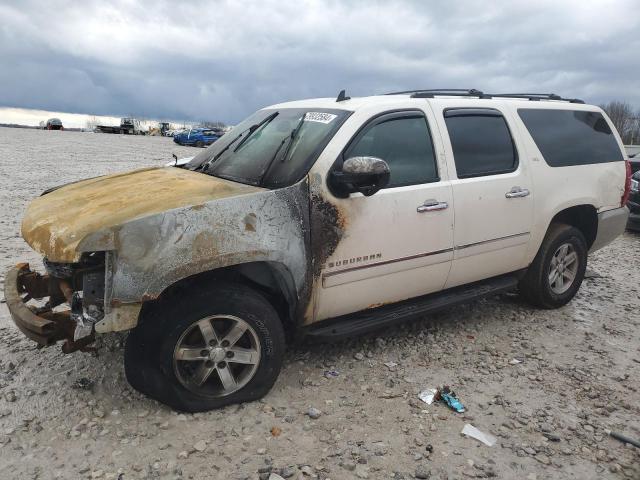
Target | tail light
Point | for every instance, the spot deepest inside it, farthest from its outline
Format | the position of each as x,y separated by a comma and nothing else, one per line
627,184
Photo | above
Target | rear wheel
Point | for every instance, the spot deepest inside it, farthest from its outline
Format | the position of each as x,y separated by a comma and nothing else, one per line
557,272
200,143
218,346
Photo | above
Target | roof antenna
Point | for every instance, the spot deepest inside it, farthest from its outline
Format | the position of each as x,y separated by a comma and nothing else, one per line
342,96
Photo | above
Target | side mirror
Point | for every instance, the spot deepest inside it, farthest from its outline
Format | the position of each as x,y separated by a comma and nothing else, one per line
366,175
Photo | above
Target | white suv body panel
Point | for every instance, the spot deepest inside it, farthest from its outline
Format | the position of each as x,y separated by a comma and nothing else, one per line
558,188
418,247
488,233
492,231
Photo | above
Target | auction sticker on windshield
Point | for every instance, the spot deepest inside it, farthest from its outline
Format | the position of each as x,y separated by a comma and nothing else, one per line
319,117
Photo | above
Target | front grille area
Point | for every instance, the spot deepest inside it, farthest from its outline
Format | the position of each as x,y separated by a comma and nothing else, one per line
88,261
58,270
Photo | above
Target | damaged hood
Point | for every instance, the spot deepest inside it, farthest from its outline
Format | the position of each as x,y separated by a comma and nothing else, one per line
56,224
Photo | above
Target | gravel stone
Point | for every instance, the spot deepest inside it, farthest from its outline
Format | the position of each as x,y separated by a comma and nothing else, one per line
423,472
314,413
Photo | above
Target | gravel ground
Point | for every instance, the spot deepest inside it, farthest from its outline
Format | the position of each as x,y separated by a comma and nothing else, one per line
546,383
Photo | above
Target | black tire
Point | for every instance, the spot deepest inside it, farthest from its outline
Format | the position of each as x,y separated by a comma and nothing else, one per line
200,144
536,287
149,351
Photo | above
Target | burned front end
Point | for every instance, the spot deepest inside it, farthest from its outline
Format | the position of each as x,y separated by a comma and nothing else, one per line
113,244
63,304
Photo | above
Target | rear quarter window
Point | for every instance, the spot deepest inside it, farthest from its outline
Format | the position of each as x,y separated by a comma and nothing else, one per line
571,137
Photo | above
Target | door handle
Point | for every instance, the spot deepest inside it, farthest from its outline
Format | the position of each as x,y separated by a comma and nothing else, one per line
517,192
432,206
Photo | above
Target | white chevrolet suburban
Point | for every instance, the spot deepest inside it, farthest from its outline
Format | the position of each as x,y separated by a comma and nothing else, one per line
325,217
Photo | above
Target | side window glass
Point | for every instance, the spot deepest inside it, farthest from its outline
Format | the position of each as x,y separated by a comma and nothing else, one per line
405,144
571,137
481,142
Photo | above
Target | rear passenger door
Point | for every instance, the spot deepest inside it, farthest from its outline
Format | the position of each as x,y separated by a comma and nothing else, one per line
492,191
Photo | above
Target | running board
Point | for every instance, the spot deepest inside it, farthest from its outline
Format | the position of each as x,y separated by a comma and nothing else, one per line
377,318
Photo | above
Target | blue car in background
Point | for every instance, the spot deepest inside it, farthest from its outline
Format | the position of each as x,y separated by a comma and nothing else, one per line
198,137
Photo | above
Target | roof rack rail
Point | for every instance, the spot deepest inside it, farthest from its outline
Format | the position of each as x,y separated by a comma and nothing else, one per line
537,96
431,92
472,92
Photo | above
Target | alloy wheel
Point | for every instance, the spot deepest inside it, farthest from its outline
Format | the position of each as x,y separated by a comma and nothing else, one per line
563,268
217,355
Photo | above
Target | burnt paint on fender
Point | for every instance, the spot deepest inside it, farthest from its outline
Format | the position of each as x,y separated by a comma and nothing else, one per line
58,223
327,227
194,231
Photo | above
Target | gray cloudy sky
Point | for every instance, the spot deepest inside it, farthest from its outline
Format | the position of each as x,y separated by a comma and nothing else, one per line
222,60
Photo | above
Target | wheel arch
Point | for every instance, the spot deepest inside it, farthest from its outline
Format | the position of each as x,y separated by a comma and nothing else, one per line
584,217
272,279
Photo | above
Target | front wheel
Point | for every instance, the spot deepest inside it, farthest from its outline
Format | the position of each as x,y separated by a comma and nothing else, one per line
557,272
219,346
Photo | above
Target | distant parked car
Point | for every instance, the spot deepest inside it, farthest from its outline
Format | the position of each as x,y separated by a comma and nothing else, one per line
634,203
198,137
54,124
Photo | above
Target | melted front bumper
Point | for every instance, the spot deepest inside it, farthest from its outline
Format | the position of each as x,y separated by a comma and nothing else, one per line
41,324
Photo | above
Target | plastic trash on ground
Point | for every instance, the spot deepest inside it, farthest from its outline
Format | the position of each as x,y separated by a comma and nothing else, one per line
486,438
428,395
443,394
449,397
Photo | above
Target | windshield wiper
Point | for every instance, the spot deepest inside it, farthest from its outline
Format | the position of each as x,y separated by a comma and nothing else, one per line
205,165
253,128
291,137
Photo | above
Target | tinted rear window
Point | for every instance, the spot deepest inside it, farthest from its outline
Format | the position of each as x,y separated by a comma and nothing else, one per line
569,137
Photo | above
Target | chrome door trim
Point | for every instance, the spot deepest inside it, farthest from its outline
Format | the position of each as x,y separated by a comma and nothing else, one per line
387,262
461,247
419,255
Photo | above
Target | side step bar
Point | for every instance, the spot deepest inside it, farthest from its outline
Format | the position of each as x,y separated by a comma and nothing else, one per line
377,318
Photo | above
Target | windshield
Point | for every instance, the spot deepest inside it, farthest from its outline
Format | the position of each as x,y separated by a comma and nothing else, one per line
255,151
